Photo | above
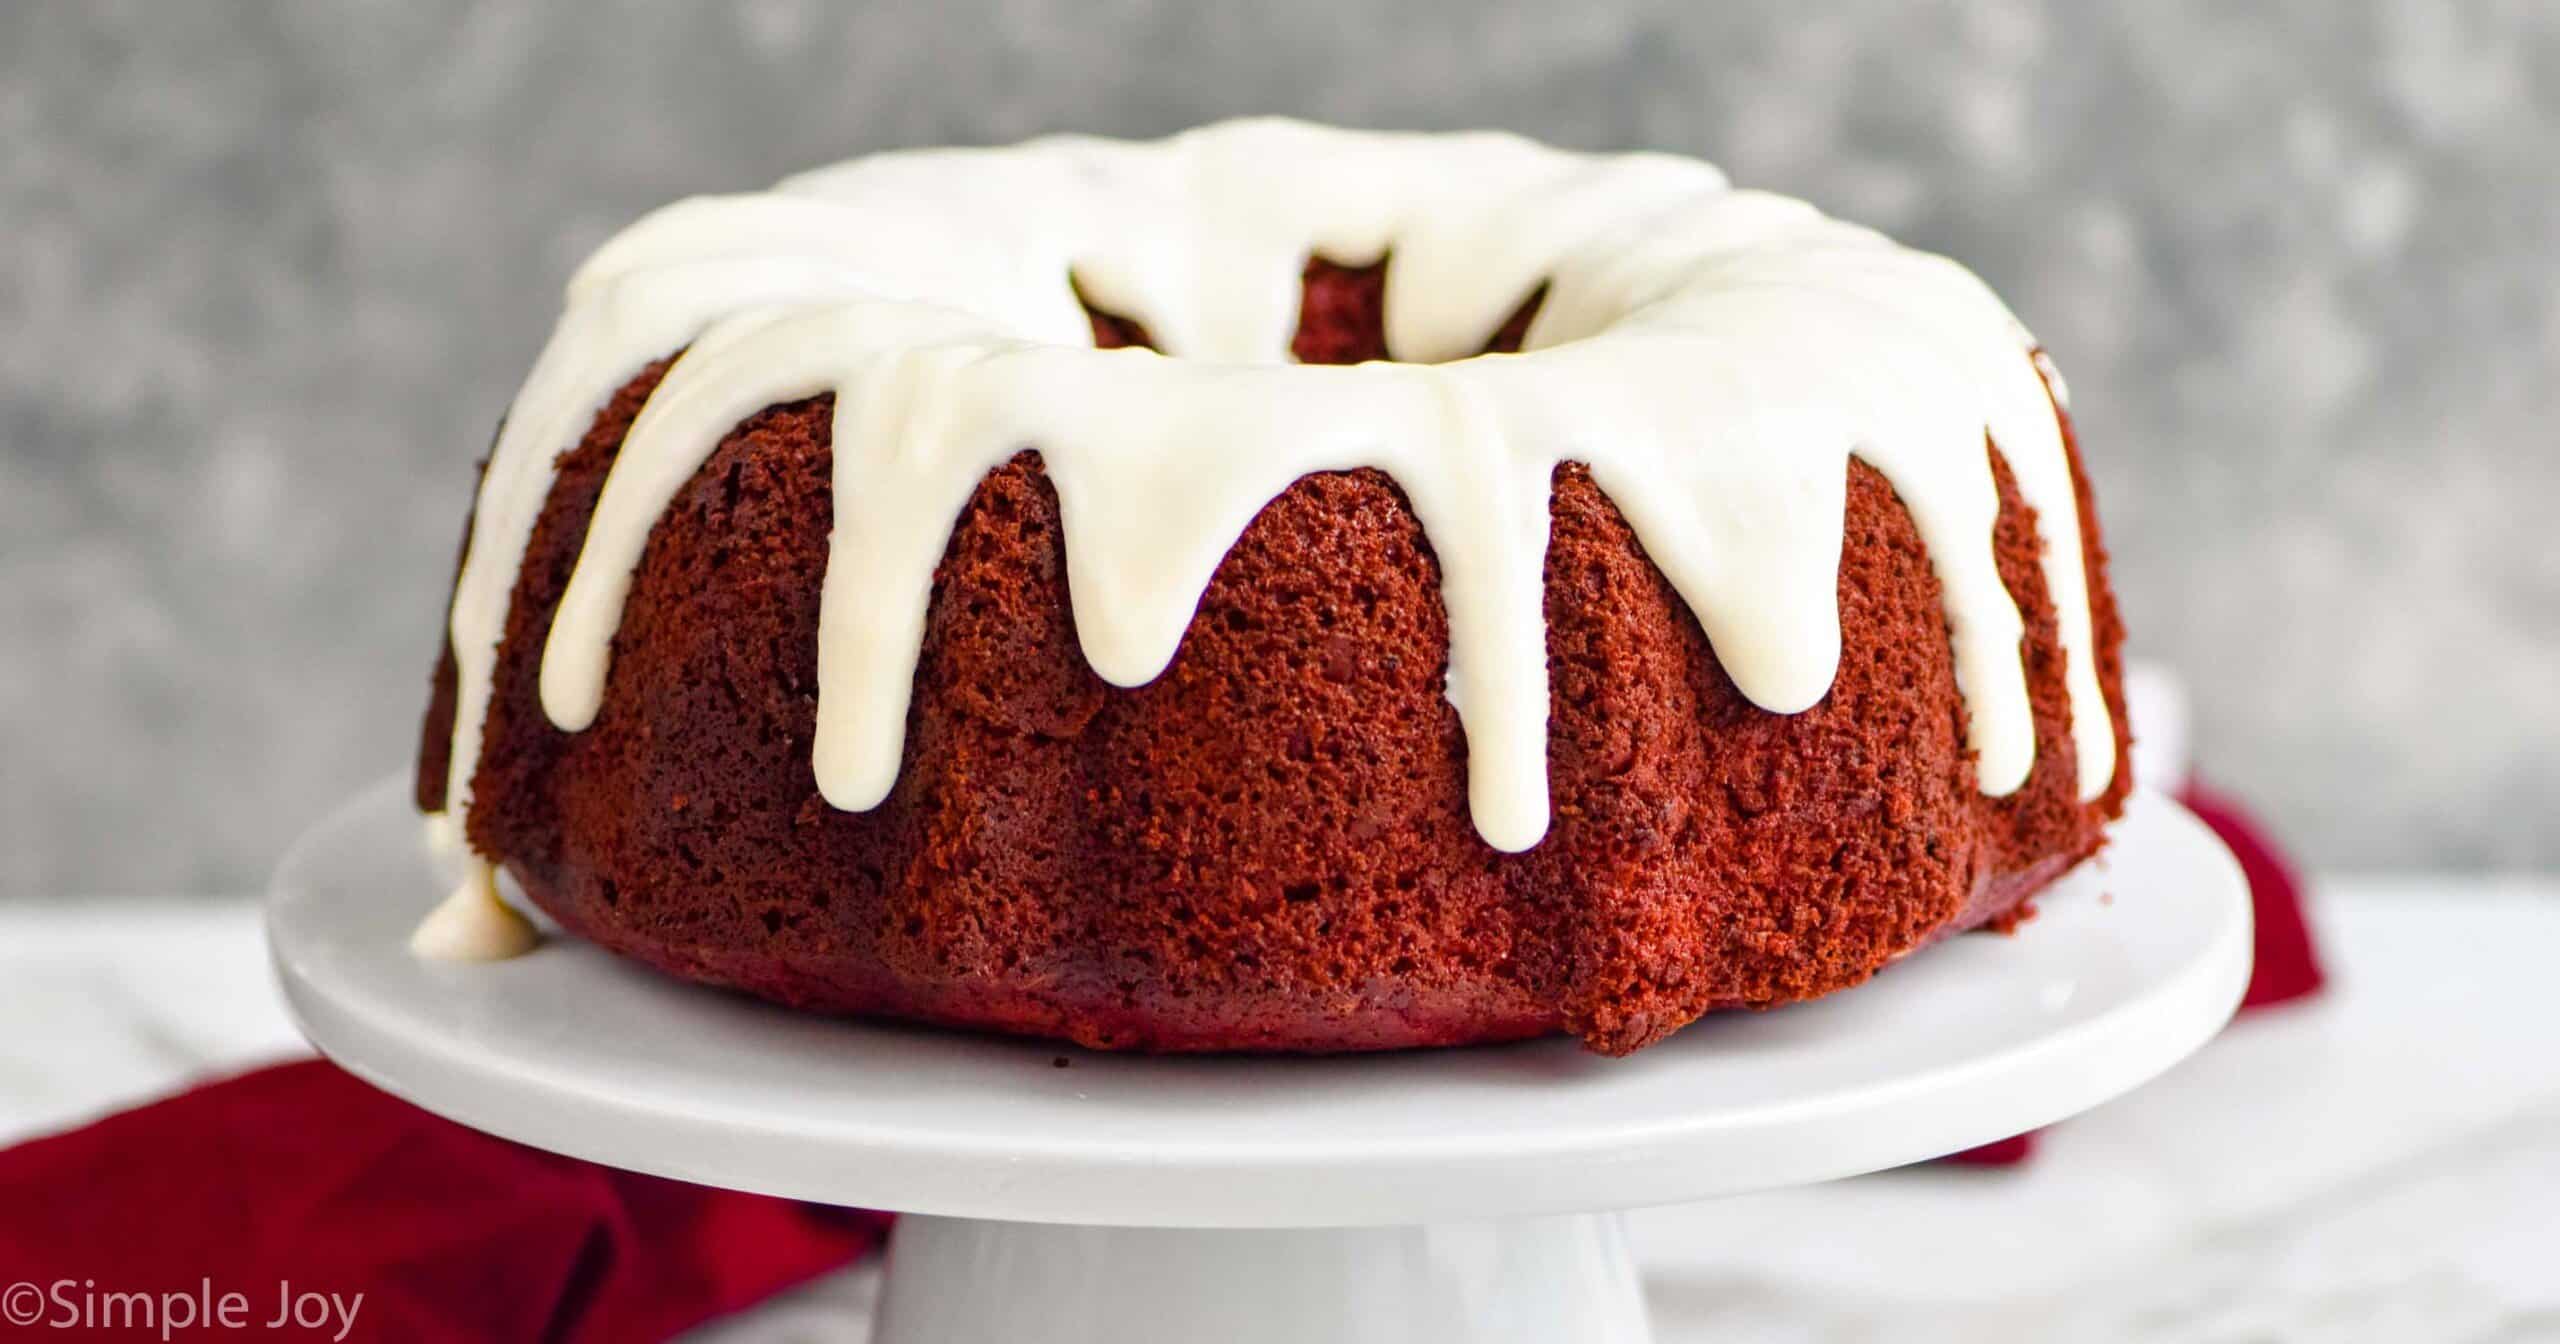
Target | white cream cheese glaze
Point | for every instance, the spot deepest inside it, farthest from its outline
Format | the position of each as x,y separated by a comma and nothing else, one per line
474,924
1715,356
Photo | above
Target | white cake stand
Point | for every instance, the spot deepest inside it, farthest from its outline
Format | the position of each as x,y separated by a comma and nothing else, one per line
1452,1196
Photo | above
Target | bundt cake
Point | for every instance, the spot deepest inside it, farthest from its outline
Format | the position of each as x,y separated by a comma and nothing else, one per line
1275,589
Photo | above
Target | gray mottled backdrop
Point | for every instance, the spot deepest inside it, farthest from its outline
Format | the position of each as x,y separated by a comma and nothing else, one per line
268,273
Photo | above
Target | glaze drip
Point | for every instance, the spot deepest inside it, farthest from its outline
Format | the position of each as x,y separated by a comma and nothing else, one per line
1715,356
474,924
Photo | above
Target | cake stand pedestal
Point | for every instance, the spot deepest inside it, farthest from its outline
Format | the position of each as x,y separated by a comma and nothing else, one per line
1455,1196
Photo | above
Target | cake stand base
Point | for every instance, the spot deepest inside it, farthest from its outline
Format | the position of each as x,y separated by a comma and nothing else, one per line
1500,1281
1428,1197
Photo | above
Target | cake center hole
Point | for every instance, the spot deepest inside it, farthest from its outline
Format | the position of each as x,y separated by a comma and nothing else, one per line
1342,317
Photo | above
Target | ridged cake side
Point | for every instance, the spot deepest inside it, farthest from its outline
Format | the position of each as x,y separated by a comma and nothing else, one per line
1269,847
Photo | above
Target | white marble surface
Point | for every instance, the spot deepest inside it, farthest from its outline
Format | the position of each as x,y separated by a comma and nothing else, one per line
2382,1164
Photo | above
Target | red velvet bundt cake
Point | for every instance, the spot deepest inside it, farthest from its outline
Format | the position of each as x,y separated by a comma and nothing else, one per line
1275,589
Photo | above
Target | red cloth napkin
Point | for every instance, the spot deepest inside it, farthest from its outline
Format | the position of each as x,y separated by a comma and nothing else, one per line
2288,962
2288,965
298,1187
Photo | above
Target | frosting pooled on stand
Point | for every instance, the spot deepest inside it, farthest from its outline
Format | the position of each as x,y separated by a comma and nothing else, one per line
1714,356
474,924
